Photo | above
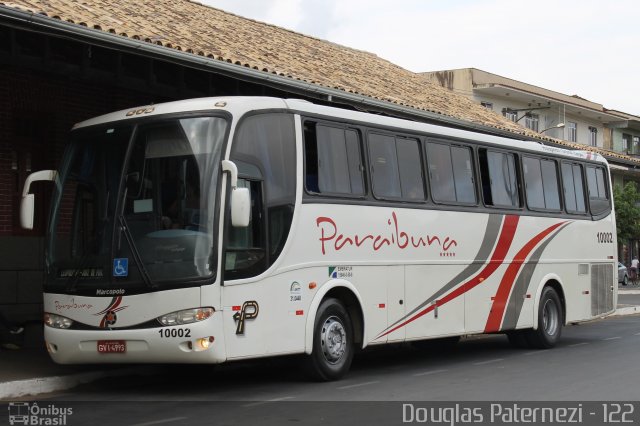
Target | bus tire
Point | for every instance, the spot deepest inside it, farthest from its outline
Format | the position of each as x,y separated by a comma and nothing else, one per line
333,346
549,321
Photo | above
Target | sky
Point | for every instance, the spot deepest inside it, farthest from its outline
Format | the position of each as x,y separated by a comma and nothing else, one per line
587,48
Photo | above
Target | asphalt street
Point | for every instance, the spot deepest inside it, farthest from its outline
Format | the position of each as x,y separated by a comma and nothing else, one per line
593,361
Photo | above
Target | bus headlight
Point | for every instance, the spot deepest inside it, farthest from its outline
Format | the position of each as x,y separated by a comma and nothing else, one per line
187,316
57,321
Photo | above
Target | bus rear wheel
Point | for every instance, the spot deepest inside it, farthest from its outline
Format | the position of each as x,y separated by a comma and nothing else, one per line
332,342
550,320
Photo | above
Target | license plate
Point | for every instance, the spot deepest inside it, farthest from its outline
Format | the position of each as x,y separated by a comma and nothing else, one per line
112,346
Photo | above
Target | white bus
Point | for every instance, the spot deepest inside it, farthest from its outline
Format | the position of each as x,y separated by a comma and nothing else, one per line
219,229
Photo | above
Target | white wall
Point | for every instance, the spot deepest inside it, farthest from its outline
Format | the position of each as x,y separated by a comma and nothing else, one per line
548,117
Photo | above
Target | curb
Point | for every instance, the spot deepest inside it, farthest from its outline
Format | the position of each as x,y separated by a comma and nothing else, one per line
625,291
39,385
629,310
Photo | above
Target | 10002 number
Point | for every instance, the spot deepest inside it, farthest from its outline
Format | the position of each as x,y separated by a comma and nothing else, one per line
605,237
175,332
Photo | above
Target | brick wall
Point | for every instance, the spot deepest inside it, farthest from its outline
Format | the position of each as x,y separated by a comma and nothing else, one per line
37,110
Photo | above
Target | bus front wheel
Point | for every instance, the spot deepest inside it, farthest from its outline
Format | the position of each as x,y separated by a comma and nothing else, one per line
332,342
549,321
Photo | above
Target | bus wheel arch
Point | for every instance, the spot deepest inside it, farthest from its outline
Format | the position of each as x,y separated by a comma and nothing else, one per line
347,294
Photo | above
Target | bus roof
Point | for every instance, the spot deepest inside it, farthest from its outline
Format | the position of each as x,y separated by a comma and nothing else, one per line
240,105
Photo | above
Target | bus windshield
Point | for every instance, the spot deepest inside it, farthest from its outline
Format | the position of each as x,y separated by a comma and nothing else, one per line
135,205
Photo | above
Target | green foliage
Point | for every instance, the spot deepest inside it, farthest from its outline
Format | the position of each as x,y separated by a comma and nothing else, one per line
626,201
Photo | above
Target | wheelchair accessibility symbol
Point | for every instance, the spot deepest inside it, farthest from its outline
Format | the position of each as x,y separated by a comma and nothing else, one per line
121,267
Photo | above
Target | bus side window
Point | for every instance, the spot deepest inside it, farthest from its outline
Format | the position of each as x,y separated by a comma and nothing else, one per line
396,169
550,184
541,183
383,158
311,157
333,160
463,174
572,179
597,188
441,172
410,168
450,173
356,166
264,150
499,179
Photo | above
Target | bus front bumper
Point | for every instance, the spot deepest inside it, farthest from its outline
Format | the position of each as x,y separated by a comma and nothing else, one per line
198,343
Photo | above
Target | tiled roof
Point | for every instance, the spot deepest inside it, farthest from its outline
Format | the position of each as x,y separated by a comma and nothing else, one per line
206,31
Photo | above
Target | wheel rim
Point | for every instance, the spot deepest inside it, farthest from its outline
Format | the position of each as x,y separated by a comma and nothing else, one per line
333,339
550,318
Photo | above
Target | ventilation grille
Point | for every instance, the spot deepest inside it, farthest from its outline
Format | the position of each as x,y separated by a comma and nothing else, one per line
601,288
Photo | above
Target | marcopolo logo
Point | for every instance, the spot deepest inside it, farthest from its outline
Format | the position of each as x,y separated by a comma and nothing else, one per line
25,413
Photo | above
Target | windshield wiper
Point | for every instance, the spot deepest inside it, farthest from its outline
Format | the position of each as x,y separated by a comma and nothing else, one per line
136,254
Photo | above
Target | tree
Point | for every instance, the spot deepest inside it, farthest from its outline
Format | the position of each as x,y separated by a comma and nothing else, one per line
626,201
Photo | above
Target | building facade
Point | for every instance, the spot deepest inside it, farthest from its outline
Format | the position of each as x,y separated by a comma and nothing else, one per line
625,133
569,118
541,110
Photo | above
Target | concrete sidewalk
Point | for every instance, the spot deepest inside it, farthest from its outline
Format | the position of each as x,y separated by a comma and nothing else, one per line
628,299
30,370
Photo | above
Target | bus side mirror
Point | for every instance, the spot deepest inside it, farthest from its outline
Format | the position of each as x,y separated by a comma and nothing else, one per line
26,211
27,205
240,197
240,207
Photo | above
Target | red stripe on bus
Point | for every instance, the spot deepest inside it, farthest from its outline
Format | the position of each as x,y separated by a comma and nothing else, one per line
115,302
506,284
502,247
